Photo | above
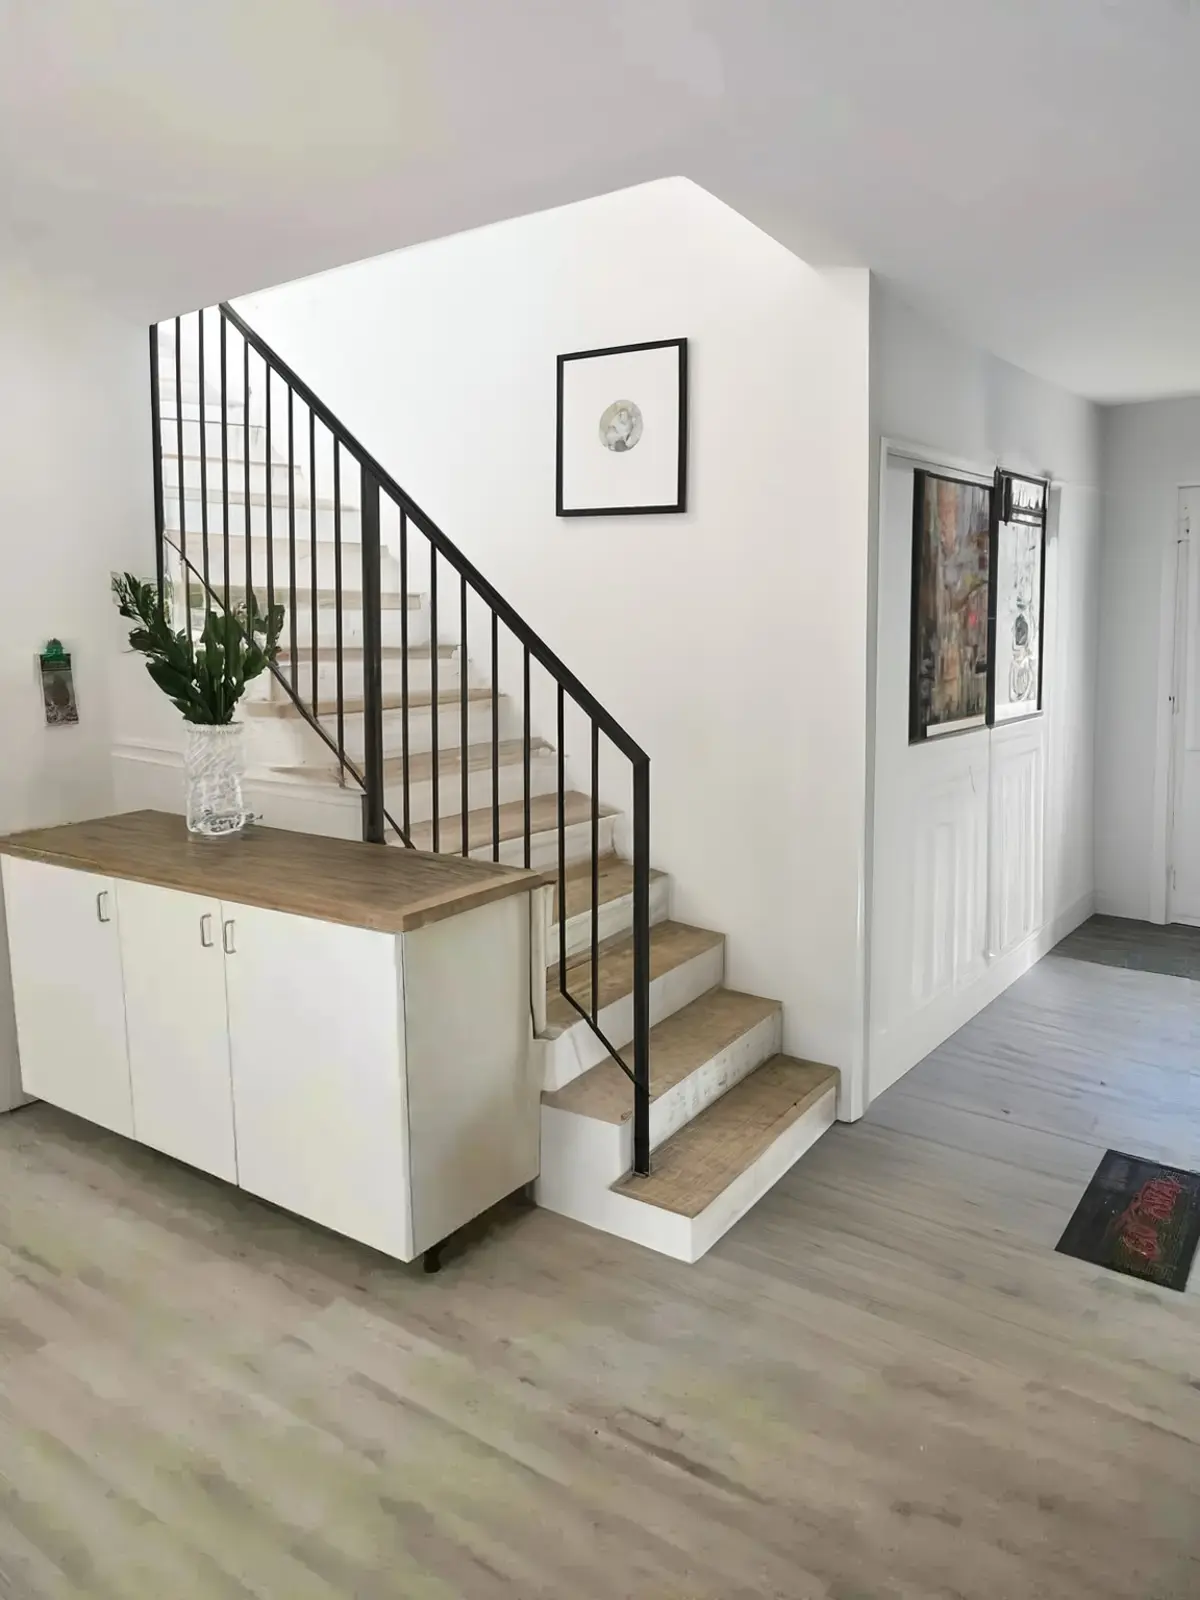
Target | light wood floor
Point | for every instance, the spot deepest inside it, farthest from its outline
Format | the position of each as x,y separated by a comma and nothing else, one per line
883,1383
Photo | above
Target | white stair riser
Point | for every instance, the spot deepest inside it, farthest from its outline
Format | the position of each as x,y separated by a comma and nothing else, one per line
213,478
420,675
605,1149
326,568
616,917
191,404
567,1186
290,742
577,1048
235,441
681,1104
280,520
393,634
544,846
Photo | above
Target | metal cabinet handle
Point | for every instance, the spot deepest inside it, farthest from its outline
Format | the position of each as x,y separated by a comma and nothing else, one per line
102,907
206,938
227,938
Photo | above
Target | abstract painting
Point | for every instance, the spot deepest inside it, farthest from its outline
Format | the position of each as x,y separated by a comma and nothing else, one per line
622,430
950,594
1018,619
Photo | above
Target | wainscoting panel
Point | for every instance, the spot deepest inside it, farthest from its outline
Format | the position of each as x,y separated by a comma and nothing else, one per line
948,897
1016,829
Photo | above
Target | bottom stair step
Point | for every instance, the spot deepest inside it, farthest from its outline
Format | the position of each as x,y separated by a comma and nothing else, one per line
705,1176
695,1167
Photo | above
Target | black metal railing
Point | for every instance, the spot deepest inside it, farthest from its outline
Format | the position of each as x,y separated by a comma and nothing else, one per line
189,550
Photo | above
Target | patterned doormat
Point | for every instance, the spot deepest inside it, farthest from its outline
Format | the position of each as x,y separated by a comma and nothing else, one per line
1137,1217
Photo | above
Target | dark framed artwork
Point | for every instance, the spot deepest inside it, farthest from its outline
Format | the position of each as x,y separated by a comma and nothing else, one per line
623,430
1018,595
951,569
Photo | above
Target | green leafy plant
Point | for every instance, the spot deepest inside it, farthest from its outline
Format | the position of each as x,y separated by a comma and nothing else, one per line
206,677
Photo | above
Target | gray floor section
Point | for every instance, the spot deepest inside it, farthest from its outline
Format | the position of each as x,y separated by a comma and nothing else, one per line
1139,946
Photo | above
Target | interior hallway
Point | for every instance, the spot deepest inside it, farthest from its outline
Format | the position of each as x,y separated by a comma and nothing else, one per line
882,1383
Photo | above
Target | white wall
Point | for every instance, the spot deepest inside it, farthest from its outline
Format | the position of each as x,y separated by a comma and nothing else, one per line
729,641
75,502
981,843
1150,451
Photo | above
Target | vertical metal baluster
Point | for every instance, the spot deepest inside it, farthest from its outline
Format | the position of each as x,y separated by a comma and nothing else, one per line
595,869
203,471
464,723
641,966
246,480
314,584
225,454
374,819
433,691
186,572
337,603
495,737
562,845
291,463
525,762
270,518
404,733
160,554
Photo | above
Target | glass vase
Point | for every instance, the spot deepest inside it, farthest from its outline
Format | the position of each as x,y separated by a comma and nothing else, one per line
214,763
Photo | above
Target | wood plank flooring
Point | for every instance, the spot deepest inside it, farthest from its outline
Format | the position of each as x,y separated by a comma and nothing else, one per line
883,1384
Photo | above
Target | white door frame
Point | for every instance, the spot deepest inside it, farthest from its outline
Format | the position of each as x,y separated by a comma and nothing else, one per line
1178,577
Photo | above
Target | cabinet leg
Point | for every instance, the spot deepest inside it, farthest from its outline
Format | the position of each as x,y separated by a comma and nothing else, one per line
433,1258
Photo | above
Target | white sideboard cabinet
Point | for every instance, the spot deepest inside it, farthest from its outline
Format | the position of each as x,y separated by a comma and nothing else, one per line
340,1029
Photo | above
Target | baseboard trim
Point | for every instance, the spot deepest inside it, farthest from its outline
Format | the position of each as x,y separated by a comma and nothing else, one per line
895,1051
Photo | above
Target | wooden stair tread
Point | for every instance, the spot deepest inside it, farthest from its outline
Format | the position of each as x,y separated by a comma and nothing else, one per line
671,944
699,1162
678,1046
420,766
418,700
543,813
615,882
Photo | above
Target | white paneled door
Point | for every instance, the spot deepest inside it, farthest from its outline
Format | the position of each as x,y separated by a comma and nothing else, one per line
65,953
178,1027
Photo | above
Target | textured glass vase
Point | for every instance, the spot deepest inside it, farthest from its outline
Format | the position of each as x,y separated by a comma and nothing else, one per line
214,764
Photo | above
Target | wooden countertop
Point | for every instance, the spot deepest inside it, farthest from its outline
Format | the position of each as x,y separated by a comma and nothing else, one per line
334,880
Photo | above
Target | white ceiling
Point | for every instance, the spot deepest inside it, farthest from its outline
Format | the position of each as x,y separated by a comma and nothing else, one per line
1025,169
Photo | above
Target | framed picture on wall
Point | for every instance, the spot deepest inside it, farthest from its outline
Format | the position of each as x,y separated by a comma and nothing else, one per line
1018,595
951,570
623,430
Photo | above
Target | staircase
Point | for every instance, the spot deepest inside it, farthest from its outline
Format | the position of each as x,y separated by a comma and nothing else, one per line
377,700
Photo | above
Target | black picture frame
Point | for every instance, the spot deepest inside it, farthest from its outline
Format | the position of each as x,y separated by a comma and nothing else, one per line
679,504
1006,511
919,732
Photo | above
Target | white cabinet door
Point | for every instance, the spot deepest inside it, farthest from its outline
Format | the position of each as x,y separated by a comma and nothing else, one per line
318,1090
65,956
177,1023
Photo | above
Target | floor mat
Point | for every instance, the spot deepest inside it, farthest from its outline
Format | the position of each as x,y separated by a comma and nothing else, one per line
1137,1217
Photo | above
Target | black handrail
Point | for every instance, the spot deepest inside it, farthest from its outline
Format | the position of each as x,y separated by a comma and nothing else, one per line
376,483
540,651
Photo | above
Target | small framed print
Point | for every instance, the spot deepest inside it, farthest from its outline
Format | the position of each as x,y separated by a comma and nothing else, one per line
623,430
58,686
